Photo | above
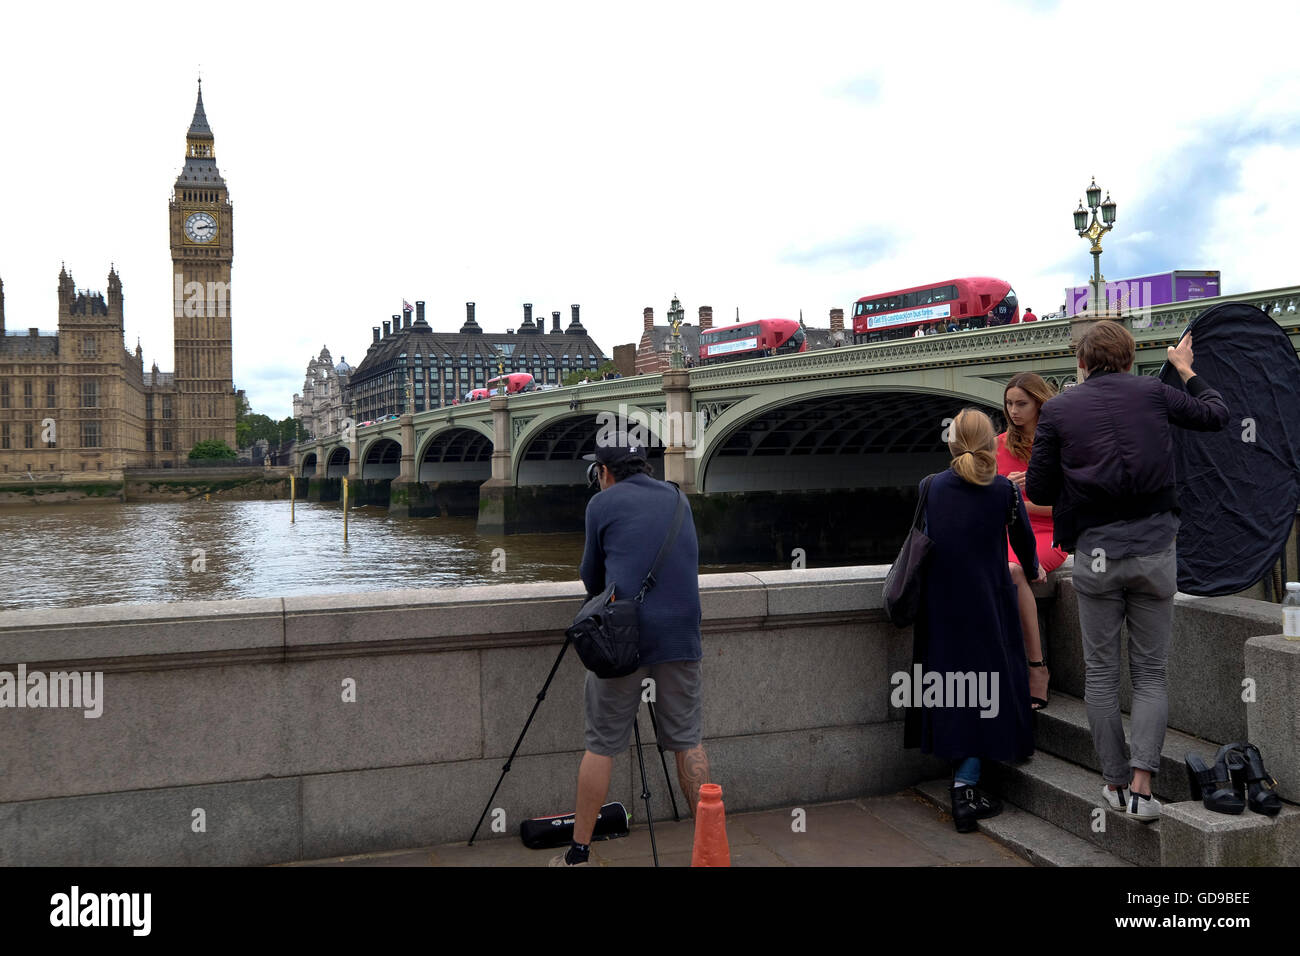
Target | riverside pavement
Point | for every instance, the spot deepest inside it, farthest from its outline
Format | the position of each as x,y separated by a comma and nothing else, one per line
901,829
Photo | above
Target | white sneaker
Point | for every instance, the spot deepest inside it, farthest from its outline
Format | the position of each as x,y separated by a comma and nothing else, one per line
1145,809
1117,799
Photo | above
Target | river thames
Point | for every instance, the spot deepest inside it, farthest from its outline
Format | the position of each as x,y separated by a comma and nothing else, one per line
140,553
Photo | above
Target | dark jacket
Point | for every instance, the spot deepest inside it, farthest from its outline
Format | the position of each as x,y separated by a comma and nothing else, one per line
1104,450
626,524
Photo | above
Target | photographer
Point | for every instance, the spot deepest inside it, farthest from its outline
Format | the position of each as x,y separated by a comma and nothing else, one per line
626,522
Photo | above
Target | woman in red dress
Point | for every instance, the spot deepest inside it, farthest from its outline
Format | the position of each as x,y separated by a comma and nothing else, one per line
1022,400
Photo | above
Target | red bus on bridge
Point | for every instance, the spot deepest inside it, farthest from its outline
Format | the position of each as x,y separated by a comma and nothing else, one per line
747,340
515,382
973,303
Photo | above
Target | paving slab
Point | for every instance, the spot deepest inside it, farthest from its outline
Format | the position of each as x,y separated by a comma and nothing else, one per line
893,830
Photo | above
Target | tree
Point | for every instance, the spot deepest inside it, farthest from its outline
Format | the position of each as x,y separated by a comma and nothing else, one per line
243,430
212,448
573,378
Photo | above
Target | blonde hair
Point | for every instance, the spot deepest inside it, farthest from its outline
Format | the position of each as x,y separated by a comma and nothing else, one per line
973,442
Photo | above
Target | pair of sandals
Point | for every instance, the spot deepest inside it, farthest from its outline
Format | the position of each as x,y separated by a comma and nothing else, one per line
1237,780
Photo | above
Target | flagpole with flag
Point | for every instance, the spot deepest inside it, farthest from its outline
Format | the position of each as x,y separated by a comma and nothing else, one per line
407,307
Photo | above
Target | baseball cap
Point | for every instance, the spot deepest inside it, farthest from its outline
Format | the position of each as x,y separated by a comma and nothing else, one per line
615,454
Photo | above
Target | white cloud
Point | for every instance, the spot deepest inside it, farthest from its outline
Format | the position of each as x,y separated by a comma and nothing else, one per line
615,155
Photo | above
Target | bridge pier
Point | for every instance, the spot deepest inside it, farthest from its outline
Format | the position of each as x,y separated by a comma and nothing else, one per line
679,466
403,488
493,493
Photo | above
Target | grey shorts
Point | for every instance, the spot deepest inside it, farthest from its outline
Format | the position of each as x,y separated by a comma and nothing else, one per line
611,707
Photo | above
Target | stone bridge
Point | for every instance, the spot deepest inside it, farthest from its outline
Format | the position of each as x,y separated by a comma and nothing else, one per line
866,417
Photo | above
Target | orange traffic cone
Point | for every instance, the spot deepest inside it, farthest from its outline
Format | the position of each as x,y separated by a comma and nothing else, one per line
710,829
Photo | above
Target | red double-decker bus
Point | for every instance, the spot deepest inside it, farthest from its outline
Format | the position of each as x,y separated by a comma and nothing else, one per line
747,340
973,303
515,382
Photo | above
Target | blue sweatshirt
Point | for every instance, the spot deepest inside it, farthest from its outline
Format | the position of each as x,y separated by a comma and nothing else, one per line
626,524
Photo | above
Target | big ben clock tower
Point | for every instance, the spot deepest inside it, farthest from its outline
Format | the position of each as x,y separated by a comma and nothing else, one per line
202,249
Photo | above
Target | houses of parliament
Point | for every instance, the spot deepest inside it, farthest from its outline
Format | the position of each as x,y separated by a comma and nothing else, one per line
79,402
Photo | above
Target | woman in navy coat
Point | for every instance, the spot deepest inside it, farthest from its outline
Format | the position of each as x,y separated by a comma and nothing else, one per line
974,696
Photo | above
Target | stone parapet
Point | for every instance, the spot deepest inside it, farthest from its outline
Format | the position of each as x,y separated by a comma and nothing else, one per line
245,710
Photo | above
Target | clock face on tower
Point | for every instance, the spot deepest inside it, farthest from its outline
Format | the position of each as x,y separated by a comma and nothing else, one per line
200,227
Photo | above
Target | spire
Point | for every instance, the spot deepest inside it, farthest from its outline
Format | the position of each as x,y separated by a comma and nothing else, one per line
200,152
199,126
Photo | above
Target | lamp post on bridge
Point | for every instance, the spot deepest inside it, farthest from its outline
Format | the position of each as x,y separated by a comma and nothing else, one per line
1093,232
675,316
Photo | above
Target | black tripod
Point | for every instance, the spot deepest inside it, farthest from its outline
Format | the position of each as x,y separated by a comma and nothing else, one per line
636,726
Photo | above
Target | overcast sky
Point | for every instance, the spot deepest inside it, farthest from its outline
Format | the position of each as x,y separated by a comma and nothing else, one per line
771,157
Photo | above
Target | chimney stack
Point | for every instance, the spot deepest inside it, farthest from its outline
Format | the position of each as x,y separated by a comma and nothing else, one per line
528,316
706,317
388,329
419,313
555,324
470,325
375,331
575,326
648,317
837,320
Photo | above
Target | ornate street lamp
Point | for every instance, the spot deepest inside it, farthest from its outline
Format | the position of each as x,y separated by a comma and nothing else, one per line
1093,231
675,316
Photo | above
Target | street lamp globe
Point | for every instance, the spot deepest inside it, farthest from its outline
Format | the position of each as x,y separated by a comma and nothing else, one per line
1108,210
1080,218
1094,194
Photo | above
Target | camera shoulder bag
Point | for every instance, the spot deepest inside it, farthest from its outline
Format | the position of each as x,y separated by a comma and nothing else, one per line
606,631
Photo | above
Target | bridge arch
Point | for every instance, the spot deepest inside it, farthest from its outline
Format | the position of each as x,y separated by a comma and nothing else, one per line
381,459
840,436
308,464
455,453
549,450
336,466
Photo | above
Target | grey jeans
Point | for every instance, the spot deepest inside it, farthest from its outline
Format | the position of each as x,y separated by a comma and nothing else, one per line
1141,590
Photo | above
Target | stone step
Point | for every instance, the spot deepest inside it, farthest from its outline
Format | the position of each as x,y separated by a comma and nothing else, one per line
1031,837
1069,796
1062,729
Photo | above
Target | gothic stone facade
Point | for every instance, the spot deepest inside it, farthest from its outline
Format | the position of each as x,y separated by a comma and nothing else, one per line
77,401
322,407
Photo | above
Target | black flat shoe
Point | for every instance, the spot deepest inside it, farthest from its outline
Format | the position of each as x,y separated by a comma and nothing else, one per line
970,804
1259,784
1213,785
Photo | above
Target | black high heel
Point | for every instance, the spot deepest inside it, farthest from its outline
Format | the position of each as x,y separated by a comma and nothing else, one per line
1259,784
1213,786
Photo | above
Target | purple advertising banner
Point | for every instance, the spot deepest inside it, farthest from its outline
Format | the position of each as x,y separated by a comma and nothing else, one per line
1195,285
1142,292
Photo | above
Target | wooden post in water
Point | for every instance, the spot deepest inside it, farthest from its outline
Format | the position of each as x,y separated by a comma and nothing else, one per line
291,498
345,510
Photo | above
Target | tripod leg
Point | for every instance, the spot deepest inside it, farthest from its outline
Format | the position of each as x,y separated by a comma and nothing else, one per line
654,725
645,792
541,696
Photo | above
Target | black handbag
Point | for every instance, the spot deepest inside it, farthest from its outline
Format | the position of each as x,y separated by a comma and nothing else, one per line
606,631
906,576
